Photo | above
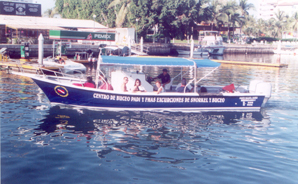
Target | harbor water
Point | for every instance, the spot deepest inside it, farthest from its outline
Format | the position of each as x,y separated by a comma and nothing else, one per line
58,144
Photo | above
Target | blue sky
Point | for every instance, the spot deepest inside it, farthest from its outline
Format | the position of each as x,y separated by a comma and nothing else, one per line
45,4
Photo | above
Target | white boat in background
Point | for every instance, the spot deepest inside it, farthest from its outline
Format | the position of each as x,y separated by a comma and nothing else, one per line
213,42
198,52
68,67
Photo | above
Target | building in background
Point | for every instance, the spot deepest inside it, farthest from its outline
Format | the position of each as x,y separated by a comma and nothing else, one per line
25,28
268,8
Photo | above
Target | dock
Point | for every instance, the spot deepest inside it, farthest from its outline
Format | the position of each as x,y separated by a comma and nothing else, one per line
30,67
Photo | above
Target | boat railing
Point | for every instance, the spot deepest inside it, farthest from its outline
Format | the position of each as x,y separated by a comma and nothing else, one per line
206,75
60,75
182,75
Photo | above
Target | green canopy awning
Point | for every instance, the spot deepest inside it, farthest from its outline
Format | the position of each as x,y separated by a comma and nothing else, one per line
79,35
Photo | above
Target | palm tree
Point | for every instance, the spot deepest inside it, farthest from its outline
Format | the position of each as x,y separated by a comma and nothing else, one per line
249,26
214,11
238,20
261,25
244,6
50,12
295,23
281,22
122,12
272,29
227,12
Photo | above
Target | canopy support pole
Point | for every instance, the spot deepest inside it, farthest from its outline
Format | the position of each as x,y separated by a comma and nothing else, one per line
195,77
99,60
195,74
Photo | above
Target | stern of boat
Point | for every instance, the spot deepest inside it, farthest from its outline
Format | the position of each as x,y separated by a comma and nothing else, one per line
262,88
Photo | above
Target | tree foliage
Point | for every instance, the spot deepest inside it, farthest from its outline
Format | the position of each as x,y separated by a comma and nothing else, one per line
85,9
174,18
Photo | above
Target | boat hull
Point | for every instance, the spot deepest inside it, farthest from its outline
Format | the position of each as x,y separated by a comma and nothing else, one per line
195,53
88,97
219,51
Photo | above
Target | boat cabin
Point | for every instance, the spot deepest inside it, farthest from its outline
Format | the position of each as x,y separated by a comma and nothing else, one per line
210,38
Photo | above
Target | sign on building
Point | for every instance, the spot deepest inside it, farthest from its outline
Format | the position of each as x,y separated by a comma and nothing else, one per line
20,9
78,35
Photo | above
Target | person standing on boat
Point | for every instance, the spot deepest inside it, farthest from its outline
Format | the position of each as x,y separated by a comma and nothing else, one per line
106,85
123,86
136,86
182,87
164,77
160,88
61,61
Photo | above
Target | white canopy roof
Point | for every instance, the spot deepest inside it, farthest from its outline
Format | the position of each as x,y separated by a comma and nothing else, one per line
46,23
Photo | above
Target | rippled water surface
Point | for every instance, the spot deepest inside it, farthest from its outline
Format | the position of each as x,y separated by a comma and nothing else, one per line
44,144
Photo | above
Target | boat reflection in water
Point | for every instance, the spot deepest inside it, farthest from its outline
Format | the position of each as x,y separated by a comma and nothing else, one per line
142,134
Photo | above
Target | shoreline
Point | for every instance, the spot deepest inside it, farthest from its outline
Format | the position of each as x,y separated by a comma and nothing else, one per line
150,48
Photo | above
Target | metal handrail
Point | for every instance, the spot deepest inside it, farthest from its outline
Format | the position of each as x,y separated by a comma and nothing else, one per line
59,73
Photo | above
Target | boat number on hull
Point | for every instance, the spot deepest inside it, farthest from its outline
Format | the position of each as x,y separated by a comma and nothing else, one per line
159,99
248,101
61,91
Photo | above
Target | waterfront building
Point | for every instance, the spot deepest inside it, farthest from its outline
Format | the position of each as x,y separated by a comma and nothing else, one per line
268,8
25,28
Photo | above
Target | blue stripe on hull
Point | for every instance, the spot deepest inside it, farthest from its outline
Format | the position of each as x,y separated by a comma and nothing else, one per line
84,97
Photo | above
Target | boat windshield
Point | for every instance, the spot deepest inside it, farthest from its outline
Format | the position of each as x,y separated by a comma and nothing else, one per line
211,42
209,33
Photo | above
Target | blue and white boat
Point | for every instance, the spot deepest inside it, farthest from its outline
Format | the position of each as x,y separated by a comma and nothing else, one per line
61,89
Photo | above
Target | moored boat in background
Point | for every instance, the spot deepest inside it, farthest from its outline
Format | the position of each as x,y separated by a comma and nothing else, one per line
67,67
197,53
213,42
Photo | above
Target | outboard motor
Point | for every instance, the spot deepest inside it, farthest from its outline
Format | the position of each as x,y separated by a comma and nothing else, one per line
260,87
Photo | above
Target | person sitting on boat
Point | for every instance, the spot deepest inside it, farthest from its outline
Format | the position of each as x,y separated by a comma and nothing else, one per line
182,87
164,77
203,90
160,88
123,86
137,85
106,85
61,61
89,83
